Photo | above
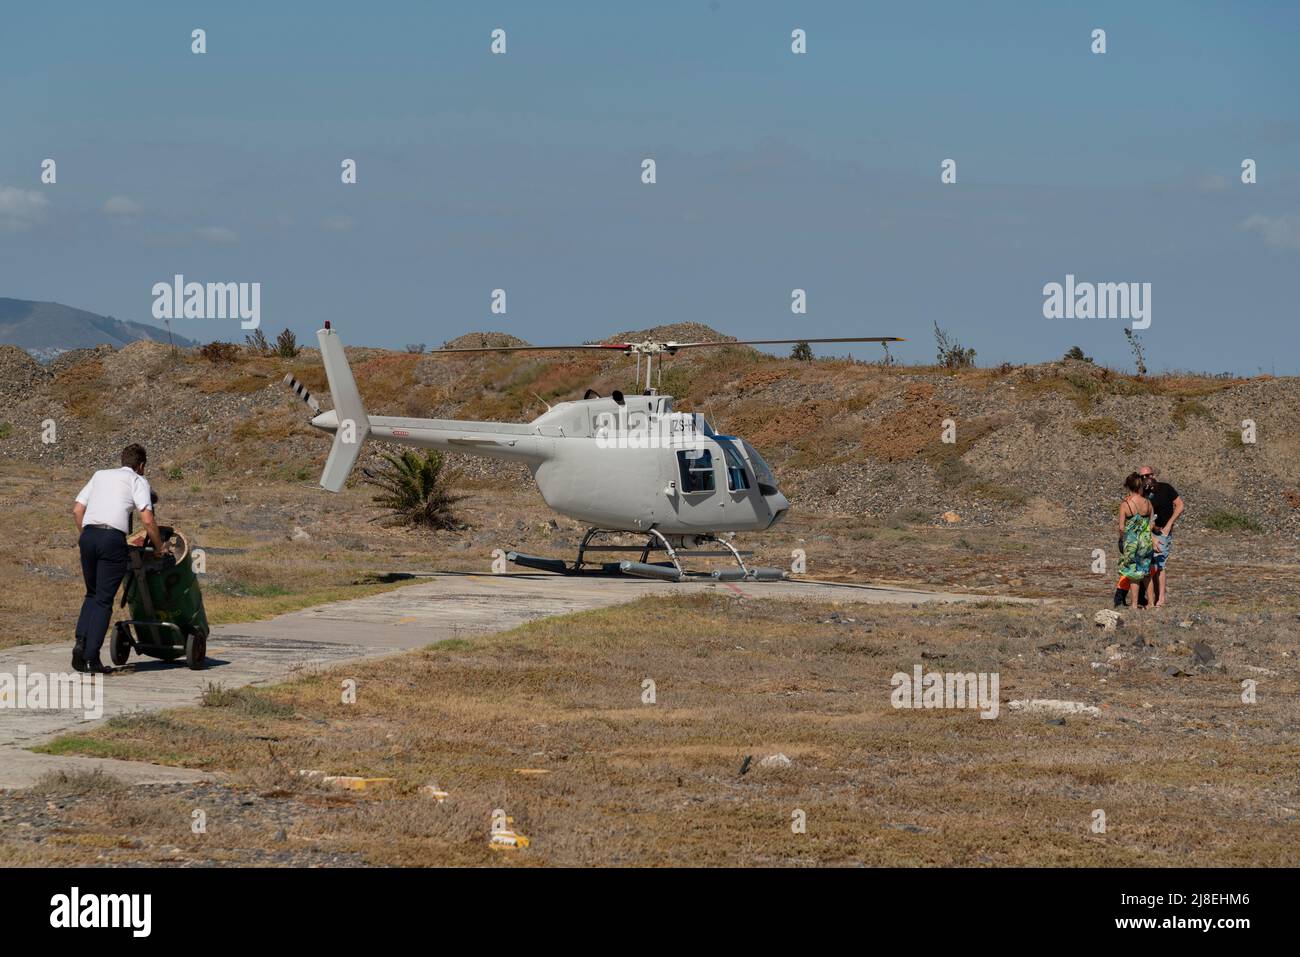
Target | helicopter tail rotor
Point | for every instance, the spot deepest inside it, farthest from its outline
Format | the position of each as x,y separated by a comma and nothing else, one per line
301,392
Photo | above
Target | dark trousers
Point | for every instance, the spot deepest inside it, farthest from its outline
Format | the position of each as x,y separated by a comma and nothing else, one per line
103,564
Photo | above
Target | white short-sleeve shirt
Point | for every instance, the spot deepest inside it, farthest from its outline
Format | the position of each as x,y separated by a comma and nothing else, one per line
111,494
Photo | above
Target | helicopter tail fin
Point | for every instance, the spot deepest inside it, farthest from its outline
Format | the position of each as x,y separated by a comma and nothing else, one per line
352,423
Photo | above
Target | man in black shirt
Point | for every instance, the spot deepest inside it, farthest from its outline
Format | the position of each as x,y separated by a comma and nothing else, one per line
1168,505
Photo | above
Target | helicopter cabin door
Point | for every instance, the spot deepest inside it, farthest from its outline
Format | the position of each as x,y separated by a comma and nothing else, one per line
699,491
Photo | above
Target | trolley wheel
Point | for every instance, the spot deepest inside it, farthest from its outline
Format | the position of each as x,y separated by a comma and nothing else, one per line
119,648
196,650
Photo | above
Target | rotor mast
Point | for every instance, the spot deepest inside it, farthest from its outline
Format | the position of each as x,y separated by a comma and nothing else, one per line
650,350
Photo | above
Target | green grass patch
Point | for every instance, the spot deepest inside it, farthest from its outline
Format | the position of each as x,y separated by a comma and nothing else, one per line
1000,492
241,589
907,517
249,701
1224,521
452,644
951,471
1187,409
85,745
1102,427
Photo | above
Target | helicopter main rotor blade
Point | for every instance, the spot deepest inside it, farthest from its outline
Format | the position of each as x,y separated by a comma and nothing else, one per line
673,346
669,347
601,345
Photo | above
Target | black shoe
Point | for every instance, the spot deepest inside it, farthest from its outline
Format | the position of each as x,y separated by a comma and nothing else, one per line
97,667
79,655
1121,596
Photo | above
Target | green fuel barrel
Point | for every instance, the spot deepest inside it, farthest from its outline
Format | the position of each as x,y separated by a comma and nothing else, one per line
167,615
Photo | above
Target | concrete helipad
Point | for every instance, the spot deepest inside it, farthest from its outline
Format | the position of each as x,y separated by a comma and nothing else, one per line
440,606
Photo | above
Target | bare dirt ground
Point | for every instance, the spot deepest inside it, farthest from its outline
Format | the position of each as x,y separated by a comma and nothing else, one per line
547,722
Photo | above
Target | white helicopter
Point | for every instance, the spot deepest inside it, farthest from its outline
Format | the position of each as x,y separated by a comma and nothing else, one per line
620,464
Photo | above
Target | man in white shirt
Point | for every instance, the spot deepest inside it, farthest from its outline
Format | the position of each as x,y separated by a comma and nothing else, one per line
103,513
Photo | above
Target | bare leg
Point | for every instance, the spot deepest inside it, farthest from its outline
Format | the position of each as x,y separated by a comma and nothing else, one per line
1161,586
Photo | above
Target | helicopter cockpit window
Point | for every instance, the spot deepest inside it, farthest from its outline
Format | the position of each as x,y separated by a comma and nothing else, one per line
737,477
762,471
696,467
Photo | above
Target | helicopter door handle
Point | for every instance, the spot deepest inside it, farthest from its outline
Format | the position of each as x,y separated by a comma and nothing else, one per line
671,490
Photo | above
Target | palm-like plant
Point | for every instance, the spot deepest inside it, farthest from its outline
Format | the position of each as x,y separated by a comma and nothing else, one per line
415,489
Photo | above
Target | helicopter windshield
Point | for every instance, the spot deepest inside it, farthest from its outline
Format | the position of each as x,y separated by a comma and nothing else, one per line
762,471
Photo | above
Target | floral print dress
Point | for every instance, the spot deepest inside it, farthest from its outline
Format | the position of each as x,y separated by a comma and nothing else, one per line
1137,548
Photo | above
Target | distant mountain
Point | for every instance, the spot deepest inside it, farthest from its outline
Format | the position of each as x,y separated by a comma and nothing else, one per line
46,329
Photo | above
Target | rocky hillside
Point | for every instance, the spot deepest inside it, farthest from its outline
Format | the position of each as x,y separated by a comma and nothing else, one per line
48,329
1045,444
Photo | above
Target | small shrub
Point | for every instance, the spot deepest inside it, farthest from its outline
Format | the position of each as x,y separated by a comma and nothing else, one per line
952,355
1076,353
257,343
286,345
415,489
219,352
78,783
1139,355
907,516
802,352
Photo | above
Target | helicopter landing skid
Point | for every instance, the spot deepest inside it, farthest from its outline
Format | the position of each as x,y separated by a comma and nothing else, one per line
675,546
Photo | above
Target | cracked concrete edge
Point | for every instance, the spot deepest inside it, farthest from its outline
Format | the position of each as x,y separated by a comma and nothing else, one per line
25,768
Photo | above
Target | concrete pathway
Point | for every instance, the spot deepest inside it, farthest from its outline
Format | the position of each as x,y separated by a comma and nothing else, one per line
441,606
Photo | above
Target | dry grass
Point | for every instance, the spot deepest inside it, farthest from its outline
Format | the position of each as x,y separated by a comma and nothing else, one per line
1185,772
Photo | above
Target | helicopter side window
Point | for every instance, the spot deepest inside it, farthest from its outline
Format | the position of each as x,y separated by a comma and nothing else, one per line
696,468
737,477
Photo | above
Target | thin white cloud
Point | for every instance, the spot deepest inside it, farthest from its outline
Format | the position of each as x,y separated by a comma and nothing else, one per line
218,235
122,206
21,208
1280,232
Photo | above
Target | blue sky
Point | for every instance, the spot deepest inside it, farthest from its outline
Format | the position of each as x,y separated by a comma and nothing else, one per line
775,171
